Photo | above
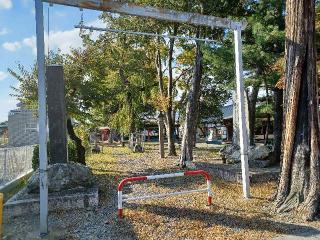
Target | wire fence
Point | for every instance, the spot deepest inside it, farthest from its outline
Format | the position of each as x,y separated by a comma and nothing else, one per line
15,162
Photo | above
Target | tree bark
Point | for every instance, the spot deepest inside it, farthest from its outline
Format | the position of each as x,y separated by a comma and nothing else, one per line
161,135
266,134
277,128
110,139
122,140
252,102
81,151
169,117
266,138
191,111
299,179
159,70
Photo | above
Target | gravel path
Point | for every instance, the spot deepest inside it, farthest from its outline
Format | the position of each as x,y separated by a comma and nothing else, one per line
181,217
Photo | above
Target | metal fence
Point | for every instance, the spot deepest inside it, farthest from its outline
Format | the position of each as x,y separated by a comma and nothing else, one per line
15,162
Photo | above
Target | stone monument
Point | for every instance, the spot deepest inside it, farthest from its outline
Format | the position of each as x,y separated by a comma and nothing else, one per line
57,114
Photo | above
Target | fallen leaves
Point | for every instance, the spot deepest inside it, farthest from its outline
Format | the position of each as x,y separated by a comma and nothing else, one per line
185,216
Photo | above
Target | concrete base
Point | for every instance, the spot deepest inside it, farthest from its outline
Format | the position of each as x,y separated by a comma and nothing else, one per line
25,204
232,173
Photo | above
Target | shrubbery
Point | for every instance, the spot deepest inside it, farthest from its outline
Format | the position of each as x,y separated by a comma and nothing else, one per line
72,154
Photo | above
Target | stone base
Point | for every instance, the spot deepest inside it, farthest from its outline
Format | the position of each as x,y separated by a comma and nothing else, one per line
25,204
232,173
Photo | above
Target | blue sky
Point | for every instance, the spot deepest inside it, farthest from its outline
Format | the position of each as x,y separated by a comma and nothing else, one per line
17,39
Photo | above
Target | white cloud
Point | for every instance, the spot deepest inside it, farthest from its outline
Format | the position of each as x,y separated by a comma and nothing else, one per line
11,46
26,2
30,42
3,31
5,4
60,14
63,40
3,75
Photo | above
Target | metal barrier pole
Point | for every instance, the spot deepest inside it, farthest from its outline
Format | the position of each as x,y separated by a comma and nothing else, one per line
209,192
123,198
120,204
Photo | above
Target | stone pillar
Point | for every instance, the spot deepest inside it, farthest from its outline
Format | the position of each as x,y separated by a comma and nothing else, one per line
57,114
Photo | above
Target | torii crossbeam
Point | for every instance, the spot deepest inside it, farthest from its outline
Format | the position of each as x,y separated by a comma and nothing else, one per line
141,11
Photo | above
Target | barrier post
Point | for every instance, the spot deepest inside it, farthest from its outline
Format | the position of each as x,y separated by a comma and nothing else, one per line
124,198
120,204
209,192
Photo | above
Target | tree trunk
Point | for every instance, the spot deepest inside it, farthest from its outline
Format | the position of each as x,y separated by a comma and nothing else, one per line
159,70
81,151
122,140
110,139
191,111
266,134
299,179
277,128
170,120
266,138
252,102
161,135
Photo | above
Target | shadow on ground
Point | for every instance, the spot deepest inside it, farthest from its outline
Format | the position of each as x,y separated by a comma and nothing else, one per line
231,221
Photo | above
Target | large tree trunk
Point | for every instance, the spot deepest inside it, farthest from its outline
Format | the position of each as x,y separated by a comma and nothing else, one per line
162,94
266,137
169,117
277,128
266,134
252,102
159,70
81,151
191,112
299,180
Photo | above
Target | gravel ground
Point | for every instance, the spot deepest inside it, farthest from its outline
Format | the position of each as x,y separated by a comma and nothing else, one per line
179,217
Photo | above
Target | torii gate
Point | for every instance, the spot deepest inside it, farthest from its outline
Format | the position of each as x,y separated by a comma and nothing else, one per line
142,11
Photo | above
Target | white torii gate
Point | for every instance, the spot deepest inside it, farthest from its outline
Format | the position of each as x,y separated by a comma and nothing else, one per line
142,11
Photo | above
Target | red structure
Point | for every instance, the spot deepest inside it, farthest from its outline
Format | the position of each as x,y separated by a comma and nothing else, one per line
123,198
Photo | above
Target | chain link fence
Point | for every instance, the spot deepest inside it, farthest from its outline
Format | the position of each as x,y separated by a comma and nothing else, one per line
15,162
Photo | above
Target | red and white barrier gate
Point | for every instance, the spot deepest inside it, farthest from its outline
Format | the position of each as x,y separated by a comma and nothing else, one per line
123,198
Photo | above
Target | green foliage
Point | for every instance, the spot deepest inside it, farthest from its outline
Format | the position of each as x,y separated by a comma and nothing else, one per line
112,80
72,155
264,109
35,157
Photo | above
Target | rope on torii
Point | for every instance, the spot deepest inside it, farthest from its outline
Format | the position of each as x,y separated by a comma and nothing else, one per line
92,28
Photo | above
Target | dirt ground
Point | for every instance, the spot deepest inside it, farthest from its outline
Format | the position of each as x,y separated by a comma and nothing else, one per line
178,217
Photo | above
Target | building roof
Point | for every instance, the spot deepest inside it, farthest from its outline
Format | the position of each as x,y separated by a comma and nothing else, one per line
4,124
227,111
